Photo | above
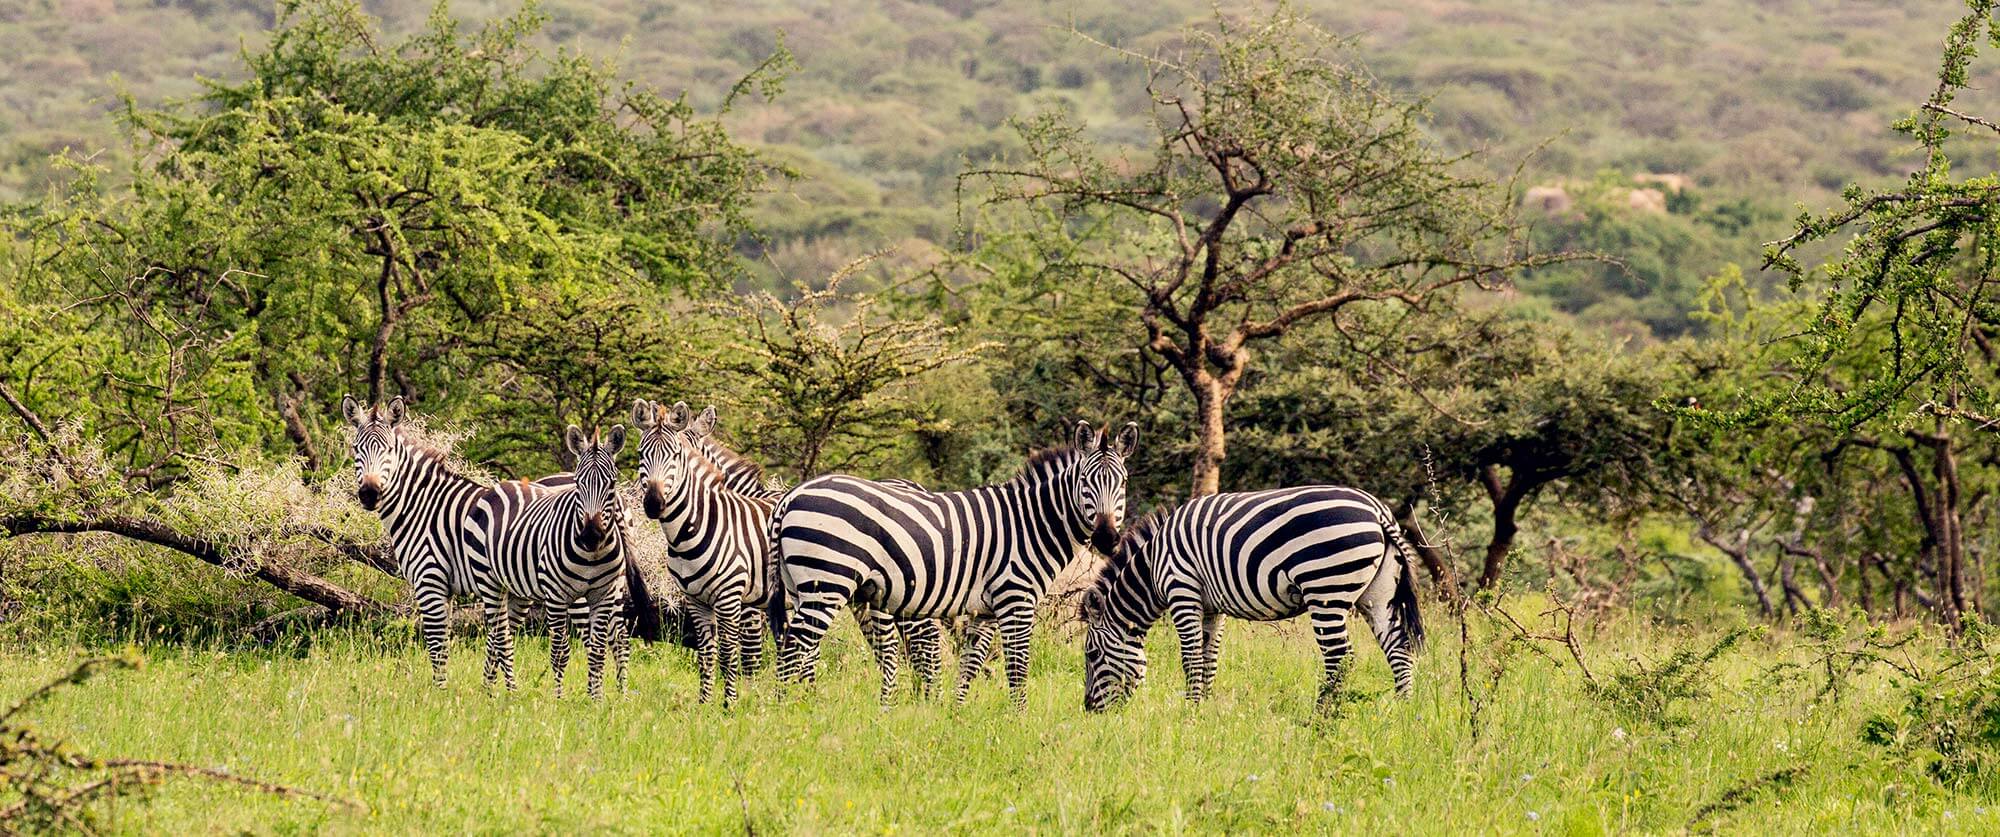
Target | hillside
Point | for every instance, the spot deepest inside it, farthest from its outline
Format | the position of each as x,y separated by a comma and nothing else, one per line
1760,105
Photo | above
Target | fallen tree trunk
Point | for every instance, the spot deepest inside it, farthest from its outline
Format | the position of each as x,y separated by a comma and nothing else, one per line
343,603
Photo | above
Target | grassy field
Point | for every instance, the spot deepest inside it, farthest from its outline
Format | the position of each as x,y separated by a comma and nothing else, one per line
355,717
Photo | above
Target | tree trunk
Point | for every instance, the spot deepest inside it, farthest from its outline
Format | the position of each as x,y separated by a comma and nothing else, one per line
285,577
1506,509
1434,561
1740,554
1210,443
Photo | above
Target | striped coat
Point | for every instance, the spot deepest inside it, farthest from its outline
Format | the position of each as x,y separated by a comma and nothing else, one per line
536,546
988,552
1261,555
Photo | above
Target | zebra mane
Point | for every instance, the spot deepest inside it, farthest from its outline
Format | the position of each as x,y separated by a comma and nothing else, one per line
1043,455
722,458
1120,559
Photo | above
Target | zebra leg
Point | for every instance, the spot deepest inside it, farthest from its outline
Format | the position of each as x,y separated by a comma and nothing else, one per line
621,650
752,638
1329,621
434,622
881,630
926,643
1185,610
1388,629
728,621
597,642
1017,625
978,644
1211,650
804,631
704,651
503,615
559,628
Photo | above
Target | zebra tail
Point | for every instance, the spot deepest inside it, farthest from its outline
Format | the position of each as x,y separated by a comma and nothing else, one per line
774,597
643,609
1403,604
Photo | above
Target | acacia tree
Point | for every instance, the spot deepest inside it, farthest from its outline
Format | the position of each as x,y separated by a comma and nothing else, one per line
826,369
1284,185
1901,354
350,216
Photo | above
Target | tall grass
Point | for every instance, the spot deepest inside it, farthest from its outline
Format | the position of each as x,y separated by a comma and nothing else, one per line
354,717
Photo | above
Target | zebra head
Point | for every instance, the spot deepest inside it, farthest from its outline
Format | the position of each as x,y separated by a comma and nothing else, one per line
1100,481
596,481
1116,611
666,449
377,447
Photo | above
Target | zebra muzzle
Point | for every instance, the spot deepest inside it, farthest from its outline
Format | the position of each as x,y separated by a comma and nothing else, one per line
370,492
1104,536
655,499
593,531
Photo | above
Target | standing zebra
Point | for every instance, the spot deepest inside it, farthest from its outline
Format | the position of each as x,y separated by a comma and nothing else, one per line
422,503
533,545
987,552
715,511
1262,555
718,541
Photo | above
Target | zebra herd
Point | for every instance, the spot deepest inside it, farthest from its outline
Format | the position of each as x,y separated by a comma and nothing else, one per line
748,557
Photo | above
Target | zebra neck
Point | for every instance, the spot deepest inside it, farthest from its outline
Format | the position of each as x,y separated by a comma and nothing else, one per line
738,474
685,507
1046,516
424,493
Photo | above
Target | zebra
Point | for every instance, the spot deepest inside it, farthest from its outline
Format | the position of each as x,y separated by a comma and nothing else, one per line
531,545
1261,555
422,502
988,552
719,542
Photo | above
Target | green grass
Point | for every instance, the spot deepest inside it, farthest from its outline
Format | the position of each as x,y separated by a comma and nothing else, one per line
355,717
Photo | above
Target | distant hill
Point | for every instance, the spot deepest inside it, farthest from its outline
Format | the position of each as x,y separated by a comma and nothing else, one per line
1759,103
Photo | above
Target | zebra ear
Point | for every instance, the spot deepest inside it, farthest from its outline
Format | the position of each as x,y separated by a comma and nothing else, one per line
351,409
395,411
1128,440
643,416
703,424
677,416
574,439
615,440
1084,439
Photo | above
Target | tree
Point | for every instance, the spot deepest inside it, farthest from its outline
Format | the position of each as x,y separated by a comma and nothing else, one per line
1284,186
821,379
355,211
1900,356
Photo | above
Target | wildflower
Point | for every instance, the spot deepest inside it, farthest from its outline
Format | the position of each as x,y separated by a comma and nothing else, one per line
1329,807
1618,733
1534,816
1780,745
1010,809
1527,777
1250,778
1388,781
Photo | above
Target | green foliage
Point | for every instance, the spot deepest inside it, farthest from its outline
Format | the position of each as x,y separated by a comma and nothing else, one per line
1657,693
827,388
364,215
1948,724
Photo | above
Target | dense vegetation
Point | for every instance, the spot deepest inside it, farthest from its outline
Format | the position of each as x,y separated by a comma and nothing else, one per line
921,251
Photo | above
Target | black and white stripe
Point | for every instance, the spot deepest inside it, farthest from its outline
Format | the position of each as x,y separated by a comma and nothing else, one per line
988,552
422,503
718,541
1262,555
532,545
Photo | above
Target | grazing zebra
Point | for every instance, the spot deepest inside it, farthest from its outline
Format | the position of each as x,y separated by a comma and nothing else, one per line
1262,555
422,503
988,552
532,545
